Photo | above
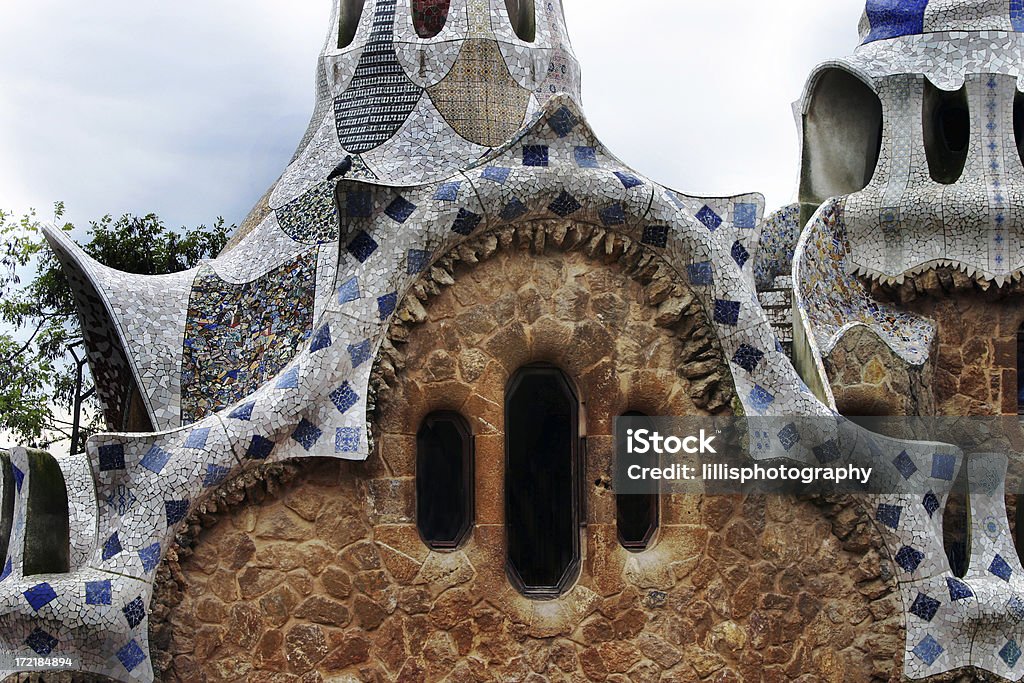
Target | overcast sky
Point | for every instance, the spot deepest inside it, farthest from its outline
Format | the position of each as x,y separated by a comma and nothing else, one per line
191,109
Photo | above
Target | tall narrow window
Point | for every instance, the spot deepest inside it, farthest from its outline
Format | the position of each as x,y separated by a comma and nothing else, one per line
47,524
6,507
636,516
348,21
947,132
444,480
542,496
430,16
956,525
1018,123
523,15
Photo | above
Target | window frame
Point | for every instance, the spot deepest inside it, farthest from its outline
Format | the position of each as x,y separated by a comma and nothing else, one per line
468,475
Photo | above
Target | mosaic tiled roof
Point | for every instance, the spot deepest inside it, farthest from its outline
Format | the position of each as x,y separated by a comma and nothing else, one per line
885,19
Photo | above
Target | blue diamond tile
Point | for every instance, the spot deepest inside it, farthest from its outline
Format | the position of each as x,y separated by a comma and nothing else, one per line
789,436
535,155
358,204
150,557
346,440
344,397
709,218
131,655
155,459
400,210
727,312
943,466
496,174
448,192
747,357
243,412
386,305
306,434
700,274
41,642
930,503
111,457
761,398
260,448
215,475
513,210
290,379
586,157
349,291
176,511
656,236
745,216
19,477
1001,568
112,547
564,205
909,558
359,353
1010,653
613,215
197,438
134,612
925,607
466,222
321,339
362,246
958,590
740,254
97,592
928,650
40,596
416,261
628,180
562,121
827,452
904,464
889,515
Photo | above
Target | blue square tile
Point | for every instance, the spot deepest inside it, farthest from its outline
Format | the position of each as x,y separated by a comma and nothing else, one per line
889,515
925,607
789,436
386,304
400,210
1010,653
215,475
448,192
306,434
909,558
134,612
727,312
349,291
40,596
321,339
346,440
358,204
564,205
344,397
260,448
740,254
150,557
362,246
359,353
628,180
943,466
761,398
958,590
111,457
1001,568
930,503
417,261
41,642
290,379
243,412
496,174
745,216
535,155
197,438
97,592
513,210
155,459
176,511
904,464
656,236
709,218
562,121
130,656
700,274
466,222
928,650
827,452
112,547
586,157
747,357
613,215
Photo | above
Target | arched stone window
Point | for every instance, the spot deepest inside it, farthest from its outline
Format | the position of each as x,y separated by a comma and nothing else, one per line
444,480
47,524
430,16
6,507
636,516
542,492
523,15
348,21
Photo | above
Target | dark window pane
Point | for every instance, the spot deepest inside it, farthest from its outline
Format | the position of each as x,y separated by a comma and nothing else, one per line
636,516
444,480
6,507
348,21
956,537
47,526
541,492
523,15
947,132
429,16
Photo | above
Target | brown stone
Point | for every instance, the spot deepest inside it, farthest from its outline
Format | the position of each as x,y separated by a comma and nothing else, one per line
283,525
254,581
321,610
305,647
354,649
269,653
278,604
367,613
236,550
336,582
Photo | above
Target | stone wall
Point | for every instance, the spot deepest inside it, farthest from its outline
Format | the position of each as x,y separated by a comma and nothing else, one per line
316,570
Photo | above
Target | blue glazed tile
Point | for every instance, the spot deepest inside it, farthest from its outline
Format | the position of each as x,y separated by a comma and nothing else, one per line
417,261
321,339
709,218
97,593
827,452
747,357
925,607
306,434
727,312
19,477
290,379
613,215
895,18
496,174
155,459
260,448
134,612
112,547
362,246
535,155
197,438
41,642
904,464
700,274
740,254
745,216
400,210
909,558
586,157
358,204
344,397
562,121
1017,15
889,515
130,656
215,475
111,457
958,590
1001,568
176,511
1015,608
150,557
564,205
359,353
928,650
349,291
513,210
243,412
628,180
943,466
656,236
466,222
761,398
40,596
1010,653
448,192
346,440
386,305
789,436
930,503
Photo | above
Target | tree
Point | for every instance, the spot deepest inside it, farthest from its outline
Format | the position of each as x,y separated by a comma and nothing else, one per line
42,366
